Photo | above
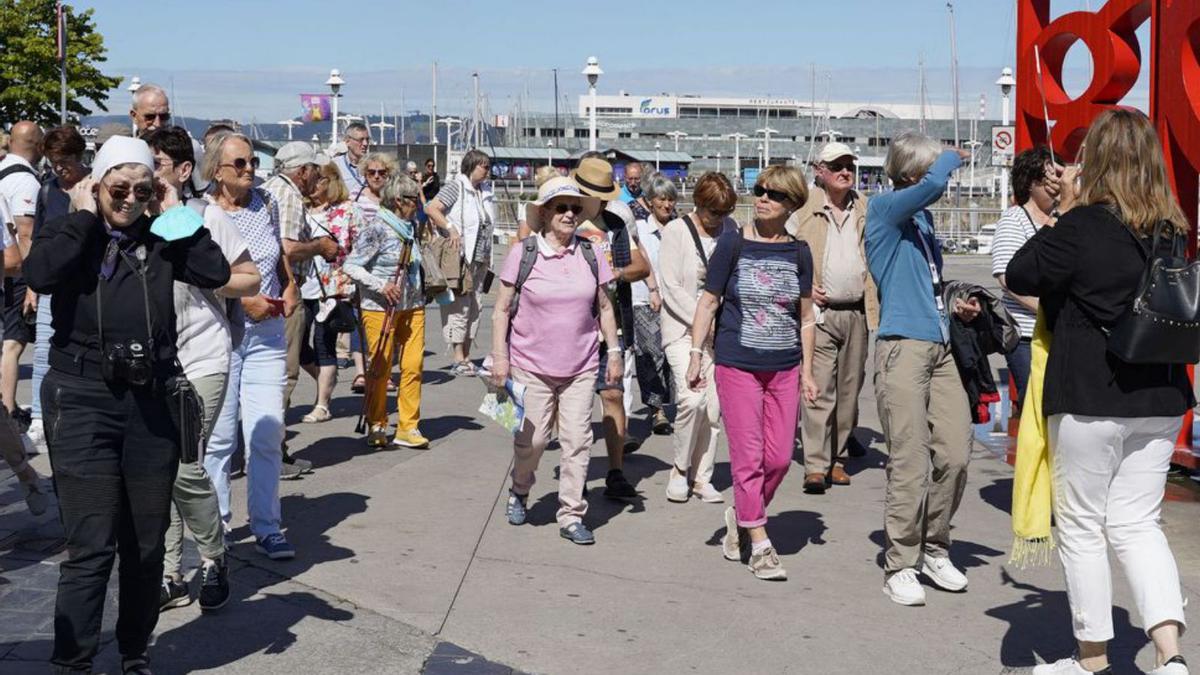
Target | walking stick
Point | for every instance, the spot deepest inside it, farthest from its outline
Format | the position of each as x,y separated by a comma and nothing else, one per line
377,365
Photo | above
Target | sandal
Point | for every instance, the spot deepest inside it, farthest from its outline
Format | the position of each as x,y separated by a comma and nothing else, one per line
360,384
392,385
319,414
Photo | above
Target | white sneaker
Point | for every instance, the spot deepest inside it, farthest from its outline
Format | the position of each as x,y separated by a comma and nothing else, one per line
731,545
1061,667
37,437
1174,668
944,574
904,589
707,493
677,487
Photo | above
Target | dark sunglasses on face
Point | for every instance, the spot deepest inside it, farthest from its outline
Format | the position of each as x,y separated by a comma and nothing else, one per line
774,195
141,193
838,167
377,172
161,117
241,163
573,208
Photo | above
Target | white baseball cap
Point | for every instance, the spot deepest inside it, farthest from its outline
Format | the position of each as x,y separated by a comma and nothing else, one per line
298,153
832,152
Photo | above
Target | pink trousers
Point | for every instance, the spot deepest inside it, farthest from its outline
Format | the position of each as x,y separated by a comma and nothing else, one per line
759,410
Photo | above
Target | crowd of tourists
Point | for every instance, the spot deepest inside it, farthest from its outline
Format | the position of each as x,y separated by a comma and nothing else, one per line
173,298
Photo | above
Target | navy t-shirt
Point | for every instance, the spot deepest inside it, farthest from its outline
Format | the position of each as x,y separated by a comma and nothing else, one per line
757,325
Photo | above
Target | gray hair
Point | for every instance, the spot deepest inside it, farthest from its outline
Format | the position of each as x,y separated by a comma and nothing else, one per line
145,91
214,149
909,157
474,158
358,126
634,165
398,185
410,166
379,157
657,185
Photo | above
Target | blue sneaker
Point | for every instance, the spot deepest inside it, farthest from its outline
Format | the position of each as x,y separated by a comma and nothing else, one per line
275,547
516,508
577,534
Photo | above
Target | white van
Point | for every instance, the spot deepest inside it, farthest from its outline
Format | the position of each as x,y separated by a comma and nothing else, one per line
985,236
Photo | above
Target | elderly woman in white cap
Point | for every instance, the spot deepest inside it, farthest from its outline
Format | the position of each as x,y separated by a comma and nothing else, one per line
465,212
114,448
556,281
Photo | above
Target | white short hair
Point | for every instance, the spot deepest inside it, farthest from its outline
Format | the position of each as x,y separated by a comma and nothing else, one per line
148,90
909,157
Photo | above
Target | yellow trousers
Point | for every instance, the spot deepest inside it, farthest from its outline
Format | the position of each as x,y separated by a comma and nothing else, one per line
408,336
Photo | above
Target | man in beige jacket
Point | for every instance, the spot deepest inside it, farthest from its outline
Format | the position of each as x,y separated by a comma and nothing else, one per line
833,222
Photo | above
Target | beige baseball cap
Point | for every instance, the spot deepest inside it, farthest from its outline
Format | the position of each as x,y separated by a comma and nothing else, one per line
832,152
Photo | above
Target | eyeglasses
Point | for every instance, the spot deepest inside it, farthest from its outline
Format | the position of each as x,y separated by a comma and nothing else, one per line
774,195
161,117
161,163
358,139
564,207
838,167
241,163
377,172
409,197
141,193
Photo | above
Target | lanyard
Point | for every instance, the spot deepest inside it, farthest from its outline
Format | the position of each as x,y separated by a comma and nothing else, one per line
936,277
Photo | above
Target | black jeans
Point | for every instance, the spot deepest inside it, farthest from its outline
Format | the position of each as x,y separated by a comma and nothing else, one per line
114,452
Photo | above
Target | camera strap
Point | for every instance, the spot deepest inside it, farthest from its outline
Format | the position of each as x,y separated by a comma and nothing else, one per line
140,270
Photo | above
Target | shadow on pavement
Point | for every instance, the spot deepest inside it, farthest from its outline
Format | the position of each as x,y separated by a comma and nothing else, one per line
1039,627
998,494
964,554
437,428
791,531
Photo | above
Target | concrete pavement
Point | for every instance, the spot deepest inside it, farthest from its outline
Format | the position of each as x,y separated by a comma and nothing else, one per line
406,564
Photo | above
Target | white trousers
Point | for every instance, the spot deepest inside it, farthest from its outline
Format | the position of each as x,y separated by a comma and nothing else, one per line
1109,477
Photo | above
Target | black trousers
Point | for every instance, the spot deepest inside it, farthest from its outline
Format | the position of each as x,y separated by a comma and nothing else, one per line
114,452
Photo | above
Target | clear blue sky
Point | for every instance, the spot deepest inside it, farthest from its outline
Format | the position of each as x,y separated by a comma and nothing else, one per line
252,56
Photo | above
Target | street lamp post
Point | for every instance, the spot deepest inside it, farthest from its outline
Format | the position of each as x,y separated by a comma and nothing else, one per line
134,85
1006,84
857,154
766,132
677,135
450,122
718,162
657,154
760,156
335,83
549,153
382,125
737,153
593,73
316,141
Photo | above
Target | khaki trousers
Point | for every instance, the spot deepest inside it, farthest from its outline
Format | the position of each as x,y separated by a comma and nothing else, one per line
927,425
697,413
563,404
839,367
293,330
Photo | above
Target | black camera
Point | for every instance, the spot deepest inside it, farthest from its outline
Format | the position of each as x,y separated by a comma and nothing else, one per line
127,363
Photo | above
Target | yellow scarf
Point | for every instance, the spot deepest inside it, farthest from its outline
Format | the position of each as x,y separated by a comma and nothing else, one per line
1031,501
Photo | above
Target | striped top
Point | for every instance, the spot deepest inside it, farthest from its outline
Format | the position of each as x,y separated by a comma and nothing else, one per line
1012,231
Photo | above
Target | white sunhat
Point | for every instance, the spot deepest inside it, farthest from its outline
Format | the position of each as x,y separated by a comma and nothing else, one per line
559,186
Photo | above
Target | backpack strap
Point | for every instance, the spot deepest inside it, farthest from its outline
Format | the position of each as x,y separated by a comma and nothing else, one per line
17,168
589,254
529,253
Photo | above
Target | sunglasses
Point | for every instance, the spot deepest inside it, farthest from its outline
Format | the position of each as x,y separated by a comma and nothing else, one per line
161,117
774,195
838,167
141,193
573,208
241,163
377,172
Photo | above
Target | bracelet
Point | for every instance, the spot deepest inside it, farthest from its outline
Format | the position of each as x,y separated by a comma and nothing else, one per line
614,350
696,350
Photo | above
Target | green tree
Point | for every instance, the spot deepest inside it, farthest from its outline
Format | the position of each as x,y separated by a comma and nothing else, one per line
29,74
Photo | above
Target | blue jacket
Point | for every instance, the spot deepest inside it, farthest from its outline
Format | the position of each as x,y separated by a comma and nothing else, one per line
897,259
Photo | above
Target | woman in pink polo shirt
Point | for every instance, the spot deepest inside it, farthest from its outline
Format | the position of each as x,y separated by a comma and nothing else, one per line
551,346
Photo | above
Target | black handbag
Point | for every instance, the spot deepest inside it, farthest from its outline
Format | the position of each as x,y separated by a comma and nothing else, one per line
1163,324
187,412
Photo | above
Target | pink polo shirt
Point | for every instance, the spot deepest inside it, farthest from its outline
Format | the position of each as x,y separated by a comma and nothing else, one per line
554,332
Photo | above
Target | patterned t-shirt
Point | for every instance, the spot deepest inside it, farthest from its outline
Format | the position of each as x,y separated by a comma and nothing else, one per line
259,225
757,326
1014,229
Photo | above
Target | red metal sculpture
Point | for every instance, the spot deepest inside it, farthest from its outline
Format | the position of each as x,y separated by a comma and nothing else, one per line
1110,35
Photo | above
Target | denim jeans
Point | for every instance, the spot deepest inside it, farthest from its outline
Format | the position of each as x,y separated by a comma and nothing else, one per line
257,375
1019,363
41,353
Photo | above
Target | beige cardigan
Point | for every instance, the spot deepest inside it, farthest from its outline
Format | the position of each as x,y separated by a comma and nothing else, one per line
681,276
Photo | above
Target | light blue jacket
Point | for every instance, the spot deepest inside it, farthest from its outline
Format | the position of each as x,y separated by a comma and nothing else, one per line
374,258
896,257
